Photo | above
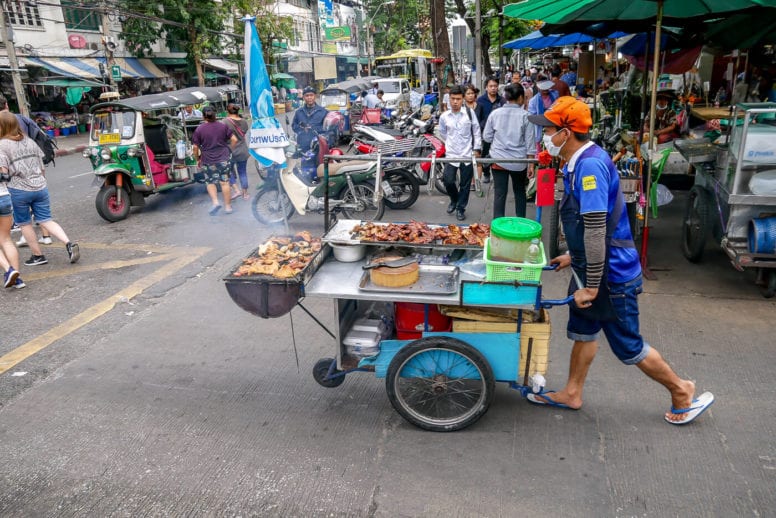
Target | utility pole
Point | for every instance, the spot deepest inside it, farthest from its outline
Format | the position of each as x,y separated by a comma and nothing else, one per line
477,79
18,87
105,41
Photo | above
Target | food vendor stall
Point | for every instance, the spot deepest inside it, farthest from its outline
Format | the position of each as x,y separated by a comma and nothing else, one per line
430,308
734,196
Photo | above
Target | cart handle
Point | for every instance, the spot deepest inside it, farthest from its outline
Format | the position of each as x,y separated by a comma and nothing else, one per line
547,304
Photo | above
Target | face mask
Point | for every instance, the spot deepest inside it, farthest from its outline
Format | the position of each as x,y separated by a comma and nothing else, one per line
662,106
552,149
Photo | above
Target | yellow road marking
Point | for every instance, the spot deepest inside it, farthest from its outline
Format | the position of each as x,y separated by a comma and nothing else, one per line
21,353
109,265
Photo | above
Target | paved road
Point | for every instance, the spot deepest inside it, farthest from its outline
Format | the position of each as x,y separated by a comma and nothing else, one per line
151,393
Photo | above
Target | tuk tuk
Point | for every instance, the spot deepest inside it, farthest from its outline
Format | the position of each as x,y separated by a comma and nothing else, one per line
137,147
344,97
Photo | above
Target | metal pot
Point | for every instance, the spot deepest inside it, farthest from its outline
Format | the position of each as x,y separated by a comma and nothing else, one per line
348,253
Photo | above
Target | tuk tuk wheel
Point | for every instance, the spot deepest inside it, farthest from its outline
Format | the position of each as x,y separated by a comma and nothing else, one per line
321,373
440,384
768,288
108,206
696,224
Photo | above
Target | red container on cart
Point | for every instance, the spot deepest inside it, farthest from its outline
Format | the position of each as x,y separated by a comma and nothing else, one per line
410,320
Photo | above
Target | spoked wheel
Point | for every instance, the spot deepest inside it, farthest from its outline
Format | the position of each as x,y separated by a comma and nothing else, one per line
362,205
768,286
108,205
321,373
440,384
696,225
406,189
557,238
268,205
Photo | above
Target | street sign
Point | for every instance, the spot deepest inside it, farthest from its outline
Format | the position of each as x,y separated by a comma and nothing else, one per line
115,72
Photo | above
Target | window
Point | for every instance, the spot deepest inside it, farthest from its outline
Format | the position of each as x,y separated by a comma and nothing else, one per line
79,19
23,14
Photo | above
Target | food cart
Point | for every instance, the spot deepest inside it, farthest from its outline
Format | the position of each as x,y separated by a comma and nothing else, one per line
440,342
734,196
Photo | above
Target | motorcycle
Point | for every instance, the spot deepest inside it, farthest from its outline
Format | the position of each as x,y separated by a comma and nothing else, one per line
354,189
414,138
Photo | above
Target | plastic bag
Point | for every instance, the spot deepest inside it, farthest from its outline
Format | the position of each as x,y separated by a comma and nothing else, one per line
664,195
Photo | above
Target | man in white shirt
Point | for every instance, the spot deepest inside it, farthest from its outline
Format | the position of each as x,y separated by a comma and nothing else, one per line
371,100
460,130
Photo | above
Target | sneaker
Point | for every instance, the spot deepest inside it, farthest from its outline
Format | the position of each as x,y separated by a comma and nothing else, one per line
36,260
19,284
44,240
460,216
486,178
73,252
21,242
16,228
9,277
451,208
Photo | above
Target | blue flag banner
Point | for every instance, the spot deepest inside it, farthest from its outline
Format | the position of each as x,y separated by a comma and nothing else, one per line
267,138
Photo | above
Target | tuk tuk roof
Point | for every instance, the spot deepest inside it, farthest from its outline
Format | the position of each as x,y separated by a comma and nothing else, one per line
170,100
351,86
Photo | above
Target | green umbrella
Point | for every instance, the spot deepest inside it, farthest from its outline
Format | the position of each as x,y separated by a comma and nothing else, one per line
578,15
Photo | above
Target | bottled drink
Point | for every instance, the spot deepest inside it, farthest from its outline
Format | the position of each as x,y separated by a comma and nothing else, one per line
180,150
534,254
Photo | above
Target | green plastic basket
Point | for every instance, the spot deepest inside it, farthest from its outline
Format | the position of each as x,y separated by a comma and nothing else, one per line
496,271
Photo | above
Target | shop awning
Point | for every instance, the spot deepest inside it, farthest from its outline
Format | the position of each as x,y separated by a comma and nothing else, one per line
170,61
137,68
222,64
82,68
67,82
89,68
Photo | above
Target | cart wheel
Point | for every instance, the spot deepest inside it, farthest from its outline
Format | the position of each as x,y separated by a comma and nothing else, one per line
321,373
768,289
696,225
440,384
557,239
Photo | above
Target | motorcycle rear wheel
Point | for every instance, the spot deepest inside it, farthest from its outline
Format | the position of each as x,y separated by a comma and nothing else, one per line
406,189
365,199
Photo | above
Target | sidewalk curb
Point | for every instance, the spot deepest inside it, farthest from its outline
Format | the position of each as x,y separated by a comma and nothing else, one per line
71,150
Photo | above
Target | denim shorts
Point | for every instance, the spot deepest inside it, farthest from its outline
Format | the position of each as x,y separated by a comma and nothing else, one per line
24,201
6,207
215,173
622,333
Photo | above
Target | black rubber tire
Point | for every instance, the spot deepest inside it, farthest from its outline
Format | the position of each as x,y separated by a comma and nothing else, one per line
696,225
406,188
437,178
321,371
267,208
263,172
557,241
472,399
364,192
768,289
106,205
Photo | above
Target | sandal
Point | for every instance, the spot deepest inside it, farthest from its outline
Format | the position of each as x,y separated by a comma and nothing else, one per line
246,196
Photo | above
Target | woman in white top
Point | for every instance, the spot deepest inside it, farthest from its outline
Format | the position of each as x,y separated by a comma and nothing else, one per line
22,160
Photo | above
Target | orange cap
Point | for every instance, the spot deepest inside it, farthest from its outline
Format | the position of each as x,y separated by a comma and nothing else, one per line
566,112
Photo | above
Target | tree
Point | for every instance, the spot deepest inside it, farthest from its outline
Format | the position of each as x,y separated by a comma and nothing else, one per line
197,27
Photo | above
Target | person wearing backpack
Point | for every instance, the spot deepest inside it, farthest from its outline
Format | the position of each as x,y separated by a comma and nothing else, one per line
240,153
22,162
46,144
460,130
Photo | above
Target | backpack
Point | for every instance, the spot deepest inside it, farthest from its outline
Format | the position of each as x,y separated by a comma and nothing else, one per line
47,145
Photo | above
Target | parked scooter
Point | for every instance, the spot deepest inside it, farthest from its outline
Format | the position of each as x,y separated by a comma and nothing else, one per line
354,190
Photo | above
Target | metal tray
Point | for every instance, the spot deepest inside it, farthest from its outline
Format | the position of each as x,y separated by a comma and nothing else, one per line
341,234
696,151
437,280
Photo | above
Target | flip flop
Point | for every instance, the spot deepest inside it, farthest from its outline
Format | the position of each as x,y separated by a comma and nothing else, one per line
699,405
547,400
228,211
214,210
